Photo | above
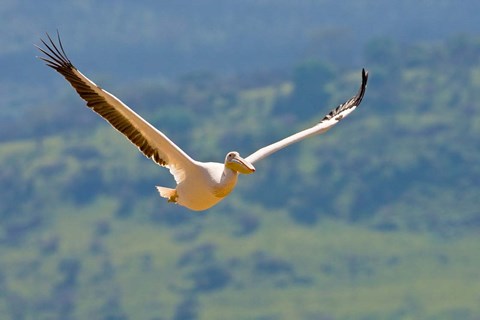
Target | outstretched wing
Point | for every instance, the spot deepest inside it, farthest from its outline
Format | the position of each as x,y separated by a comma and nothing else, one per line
150,141
331,119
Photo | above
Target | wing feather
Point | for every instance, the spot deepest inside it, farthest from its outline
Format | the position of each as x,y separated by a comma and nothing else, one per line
150,141
331,119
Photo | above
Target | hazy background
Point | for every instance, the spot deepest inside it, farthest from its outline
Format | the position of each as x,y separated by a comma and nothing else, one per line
377,219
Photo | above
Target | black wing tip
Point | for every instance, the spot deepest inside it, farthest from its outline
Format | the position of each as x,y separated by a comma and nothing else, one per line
364,75
357,99
353,102
364,78
54,54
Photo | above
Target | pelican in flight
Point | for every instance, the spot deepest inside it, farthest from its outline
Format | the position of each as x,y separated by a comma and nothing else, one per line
200,185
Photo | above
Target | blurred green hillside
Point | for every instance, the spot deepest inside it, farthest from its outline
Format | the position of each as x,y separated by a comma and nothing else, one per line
377,219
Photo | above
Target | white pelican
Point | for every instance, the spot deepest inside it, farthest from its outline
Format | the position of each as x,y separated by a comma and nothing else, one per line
200,185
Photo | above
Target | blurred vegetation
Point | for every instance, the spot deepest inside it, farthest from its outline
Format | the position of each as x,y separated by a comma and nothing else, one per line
377,219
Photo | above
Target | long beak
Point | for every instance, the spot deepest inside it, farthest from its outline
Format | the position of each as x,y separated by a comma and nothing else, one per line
241,165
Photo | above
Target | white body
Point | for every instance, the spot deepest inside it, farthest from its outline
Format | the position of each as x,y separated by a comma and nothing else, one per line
210,184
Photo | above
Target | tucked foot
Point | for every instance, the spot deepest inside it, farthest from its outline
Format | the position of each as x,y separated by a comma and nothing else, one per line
170,194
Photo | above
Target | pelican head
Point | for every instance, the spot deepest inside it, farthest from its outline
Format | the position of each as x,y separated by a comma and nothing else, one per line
234,162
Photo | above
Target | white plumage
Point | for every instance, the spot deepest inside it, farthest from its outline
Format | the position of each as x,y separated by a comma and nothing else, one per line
200,185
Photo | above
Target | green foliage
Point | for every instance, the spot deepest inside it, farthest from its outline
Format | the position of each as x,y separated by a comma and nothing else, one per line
310,80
